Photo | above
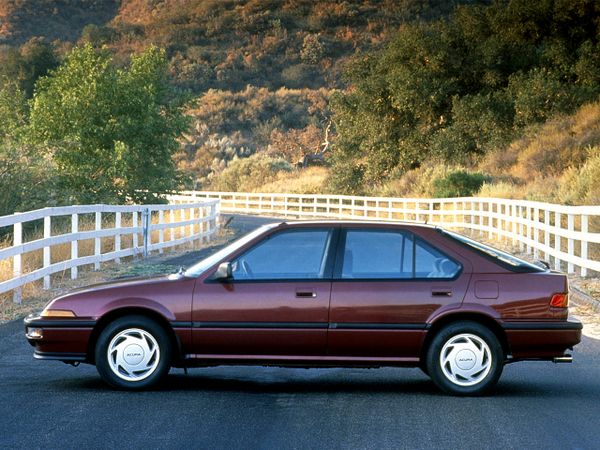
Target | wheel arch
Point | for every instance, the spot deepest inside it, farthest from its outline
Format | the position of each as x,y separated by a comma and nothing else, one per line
115,314
478,317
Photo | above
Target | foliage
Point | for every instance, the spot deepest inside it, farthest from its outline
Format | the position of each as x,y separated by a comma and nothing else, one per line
25,65
110,131
460,183
283,123
454,89
582,185
250,173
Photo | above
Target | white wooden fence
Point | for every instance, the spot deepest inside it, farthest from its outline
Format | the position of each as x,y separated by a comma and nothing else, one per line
562,235
188,222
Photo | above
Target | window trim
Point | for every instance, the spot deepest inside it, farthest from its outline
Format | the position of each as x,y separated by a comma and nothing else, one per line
329,257
530,268
339,260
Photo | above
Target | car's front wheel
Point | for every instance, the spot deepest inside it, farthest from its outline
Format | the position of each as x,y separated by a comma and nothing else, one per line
465,358
133,352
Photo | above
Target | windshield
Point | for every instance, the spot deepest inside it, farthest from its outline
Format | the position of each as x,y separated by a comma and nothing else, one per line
210,261
512,262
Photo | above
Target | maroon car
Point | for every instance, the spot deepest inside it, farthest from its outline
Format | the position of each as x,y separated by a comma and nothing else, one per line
322,294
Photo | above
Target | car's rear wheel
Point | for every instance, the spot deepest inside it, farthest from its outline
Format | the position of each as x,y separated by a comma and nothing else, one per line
133,352
465,358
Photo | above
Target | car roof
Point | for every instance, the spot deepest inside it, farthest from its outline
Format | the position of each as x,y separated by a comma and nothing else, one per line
373,223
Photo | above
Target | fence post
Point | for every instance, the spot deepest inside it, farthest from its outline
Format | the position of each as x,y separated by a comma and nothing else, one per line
570,242
17,261
521,228
557,244
134,237
430,212
528,217
172,235
490,212
536,232
74,243
202,227
547,234
97,241
47,255
181,219
191,227
161,232
513,226
145,231
117,235
584,243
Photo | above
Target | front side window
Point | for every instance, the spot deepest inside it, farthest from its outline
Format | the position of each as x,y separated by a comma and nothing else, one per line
287,255
382,254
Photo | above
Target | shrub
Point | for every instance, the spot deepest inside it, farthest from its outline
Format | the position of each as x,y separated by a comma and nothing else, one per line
300,76
460,183
582,185
312,49
247,174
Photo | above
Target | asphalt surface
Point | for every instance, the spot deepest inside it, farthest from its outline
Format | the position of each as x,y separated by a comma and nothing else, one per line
536,405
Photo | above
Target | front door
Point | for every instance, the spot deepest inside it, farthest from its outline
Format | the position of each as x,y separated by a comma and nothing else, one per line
277,302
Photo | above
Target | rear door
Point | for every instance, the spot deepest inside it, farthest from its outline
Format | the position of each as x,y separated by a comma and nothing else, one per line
277,302
387,283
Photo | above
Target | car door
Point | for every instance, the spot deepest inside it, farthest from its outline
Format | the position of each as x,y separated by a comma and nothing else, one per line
277,302
387,283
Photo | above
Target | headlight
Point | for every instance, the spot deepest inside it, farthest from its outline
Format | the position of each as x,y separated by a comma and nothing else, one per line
57,313
35,333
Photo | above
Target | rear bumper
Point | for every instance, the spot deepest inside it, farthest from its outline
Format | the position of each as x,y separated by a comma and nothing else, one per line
542,340
62,340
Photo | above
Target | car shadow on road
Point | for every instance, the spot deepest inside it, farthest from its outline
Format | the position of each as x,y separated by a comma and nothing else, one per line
335,382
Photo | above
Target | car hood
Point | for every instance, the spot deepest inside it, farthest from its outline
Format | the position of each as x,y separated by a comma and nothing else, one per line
124,283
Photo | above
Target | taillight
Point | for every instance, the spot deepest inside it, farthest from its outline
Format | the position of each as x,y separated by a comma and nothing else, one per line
559,300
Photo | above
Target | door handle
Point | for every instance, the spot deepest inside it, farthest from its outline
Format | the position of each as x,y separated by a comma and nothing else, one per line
306,294
441,293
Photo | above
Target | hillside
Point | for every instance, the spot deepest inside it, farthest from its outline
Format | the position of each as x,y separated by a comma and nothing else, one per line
262,71
63,20
419,97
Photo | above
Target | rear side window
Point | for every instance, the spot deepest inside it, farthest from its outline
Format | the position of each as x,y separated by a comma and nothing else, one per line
293,255
377,254
500,257
383,254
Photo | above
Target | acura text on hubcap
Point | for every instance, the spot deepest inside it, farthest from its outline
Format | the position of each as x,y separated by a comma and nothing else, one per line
466,359
133,354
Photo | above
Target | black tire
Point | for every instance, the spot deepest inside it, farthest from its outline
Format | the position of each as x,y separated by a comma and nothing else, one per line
470,369
153,353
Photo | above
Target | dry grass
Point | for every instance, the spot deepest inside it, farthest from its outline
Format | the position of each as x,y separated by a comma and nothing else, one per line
305,181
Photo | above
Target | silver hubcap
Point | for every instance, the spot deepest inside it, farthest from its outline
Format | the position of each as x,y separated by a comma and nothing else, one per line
466,359
133,354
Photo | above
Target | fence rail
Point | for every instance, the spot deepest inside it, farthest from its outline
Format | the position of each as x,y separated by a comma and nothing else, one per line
188,222
558,233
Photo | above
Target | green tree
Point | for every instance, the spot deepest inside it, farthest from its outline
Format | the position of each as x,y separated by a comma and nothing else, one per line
453,88
111,132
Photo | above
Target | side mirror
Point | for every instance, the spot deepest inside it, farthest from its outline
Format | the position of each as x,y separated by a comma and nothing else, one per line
224,272
543,264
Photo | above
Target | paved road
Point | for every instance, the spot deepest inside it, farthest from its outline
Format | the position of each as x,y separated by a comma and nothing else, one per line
536,405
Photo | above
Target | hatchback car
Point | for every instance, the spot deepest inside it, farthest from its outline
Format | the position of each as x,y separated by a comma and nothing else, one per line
322,294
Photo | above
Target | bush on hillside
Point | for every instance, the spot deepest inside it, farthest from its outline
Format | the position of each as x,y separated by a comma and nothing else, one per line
581,186
247,174
460,183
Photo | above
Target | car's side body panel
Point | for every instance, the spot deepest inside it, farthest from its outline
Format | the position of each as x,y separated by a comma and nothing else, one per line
261,318
346,322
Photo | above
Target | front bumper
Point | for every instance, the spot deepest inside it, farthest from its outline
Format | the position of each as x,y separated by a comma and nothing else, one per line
59,339
542,340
